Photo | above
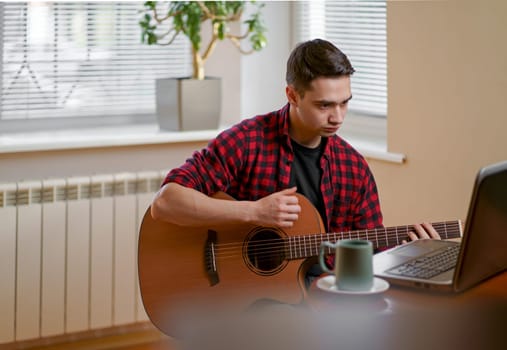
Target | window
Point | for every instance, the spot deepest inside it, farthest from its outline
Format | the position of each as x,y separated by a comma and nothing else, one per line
358,28
80,63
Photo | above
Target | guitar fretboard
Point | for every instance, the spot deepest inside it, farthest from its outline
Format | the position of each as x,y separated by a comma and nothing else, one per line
305,246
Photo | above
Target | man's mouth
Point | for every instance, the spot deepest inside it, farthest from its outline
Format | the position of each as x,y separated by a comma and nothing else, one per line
331,130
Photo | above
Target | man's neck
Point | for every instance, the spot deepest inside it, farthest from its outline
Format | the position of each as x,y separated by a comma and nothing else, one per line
297,133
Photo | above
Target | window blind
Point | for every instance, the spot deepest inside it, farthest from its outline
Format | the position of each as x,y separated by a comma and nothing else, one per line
358,28
81,60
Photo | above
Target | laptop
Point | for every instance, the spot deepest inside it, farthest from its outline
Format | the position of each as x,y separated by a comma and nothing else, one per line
456,266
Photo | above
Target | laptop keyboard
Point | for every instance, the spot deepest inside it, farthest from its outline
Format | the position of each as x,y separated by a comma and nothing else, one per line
429,266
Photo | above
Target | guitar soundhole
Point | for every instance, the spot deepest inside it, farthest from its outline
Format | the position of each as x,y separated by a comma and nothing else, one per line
264,252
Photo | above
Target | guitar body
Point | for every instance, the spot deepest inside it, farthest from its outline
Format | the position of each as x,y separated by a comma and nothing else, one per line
187,275
195,276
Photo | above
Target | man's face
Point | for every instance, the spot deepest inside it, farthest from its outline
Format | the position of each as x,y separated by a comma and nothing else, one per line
321,111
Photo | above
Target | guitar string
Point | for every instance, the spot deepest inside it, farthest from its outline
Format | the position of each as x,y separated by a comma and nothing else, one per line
381,234
277,254
301,244
302,239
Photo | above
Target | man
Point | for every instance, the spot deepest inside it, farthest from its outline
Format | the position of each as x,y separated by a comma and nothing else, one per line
263,161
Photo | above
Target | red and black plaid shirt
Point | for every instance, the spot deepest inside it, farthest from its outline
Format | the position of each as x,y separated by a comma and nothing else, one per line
253,159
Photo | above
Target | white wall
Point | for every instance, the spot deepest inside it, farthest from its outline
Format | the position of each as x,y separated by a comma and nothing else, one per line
263,73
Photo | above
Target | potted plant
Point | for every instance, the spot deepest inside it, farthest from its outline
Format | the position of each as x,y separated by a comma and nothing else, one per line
177,97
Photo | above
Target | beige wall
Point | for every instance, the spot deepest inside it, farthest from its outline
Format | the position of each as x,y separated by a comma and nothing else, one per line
447,76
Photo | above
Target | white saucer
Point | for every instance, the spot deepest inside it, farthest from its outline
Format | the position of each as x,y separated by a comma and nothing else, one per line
327,284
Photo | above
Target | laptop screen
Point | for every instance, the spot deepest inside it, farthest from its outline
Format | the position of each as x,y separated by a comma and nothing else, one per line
485,240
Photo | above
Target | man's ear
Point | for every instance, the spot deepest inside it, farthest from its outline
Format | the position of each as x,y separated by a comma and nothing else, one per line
292,95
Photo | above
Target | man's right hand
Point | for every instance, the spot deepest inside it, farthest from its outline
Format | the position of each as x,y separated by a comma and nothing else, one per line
279,209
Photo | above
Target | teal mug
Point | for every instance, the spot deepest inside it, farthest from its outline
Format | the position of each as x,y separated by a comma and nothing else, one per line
353,267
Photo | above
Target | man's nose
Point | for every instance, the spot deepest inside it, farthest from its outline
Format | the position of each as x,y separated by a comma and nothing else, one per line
337,115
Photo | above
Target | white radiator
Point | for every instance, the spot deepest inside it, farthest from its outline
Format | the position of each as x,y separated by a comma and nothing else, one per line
68,253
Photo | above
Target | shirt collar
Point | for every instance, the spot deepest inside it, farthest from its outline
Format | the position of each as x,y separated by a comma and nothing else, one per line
283,121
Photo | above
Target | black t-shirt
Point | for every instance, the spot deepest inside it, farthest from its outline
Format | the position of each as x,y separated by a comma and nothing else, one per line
306,174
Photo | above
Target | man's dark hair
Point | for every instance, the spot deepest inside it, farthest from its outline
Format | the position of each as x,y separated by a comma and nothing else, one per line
313,59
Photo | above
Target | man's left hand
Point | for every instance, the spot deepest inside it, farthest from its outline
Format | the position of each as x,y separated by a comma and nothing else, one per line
423,231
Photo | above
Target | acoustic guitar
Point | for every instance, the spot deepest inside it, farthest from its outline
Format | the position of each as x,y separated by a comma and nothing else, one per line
191,275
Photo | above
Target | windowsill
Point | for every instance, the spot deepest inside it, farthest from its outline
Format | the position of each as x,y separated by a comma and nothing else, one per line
98,137
369,140
368,135
373,150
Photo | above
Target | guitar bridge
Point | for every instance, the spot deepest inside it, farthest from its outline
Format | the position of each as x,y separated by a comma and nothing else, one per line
210,258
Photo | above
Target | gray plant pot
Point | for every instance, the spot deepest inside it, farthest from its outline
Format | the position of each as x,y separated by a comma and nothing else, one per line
185,104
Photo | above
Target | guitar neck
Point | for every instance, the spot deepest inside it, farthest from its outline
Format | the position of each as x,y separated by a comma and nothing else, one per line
306,246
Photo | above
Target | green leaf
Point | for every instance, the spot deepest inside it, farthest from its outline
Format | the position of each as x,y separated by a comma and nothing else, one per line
258,41
150,5
221,29
187,17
